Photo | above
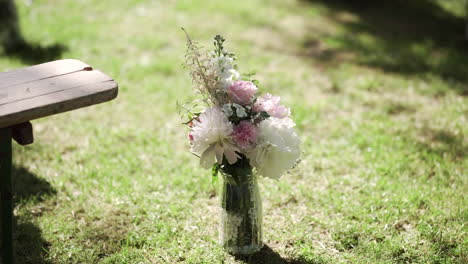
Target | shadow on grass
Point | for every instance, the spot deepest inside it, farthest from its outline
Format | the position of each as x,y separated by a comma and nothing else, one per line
29,186
34,53
269,256
405,37
30,246
444,144
14,45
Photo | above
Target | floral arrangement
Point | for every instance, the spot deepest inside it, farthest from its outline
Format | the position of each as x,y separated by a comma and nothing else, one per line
231,121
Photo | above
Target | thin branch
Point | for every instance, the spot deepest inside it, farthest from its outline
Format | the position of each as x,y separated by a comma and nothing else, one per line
195,57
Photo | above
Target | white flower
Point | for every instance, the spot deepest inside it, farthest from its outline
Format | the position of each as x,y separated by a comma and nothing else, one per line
277,149
228,78
223,68
222,65
212,138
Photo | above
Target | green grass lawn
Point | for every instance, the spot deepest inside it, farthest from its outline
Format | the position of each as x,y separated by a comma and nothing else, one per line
379,93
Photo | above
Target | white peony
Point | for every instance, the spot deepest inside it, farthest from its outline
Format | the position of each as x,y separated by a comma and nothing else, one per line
277,149
212,138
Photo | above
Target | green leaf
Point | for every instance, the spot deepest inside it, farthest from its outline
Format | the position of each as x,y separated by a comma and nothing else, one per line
215,170
264,115
249,74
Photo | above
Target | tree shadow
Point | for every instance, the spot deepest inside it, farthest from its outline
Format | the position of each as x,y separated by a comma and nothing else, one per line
405,37
34,53
14,45
443,143
30,246
268,256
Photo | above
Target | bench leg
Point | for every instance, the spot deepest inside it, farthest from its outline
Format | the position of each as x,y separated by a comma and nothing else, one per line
6,195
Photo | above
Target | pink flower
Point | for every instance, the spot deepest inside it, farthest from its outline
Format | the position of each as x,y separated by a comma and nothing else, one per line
271,104
241,92
245,134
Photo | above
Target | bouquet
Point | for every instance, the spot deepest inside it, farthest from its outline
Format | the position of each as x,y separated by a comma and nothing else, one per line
236,122
237,131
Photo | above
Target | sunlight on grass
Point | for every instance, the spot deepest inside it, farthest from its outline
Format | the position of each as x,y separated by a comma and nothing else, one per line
382,116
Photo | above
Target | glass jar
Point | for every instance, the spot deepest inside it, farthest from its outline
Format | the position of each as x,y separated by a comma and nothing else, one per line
241,209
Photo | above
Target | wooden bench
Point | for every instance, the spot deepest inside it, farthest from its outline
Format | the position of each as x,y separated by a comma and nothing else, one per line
36,92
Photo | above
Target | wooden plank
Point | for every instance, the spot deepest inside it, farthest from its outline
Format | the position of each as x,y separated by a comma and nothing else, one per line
40,71
57,102
50,85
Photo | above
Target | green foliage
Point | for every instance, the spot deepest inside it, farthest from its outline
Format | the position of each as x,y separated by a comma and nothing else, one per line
219,47
215,170
218,43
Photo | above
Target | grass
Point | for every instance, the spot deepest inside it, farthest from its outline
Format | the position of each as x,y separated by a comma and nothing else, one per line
378,93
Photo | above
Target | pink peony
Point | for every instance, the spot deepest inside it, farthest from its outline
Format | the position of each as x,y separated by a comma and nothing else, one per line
245,134
241,92
271,104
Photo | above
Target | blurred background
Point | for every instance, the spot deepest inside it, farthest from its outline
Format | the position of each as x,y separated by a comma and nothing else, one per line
377,89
